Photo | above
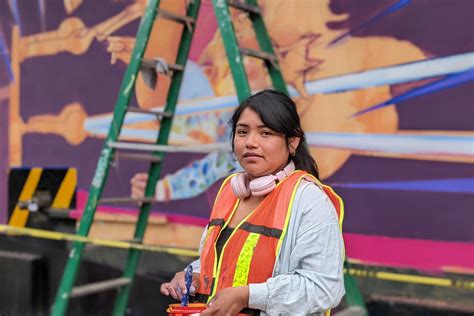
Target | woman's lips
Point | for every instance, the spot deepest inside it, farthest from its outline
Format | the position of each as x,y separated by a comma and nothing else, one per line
251,155
251,158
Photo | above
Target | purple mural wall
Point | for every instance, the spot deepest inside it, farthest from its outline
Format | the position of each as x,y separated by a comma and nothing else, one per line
384,90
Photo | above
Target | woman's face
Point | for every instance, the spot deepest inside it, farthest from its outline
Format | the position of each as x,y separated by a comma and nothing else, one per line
260,150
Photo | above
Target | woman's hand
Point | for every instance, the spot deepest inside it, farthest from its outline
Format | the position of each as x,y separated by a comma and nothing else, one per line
177,287
228,302
138,183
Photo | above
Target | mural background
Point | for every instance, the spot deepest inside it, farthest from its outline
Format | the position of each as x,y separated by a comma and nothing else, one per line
403,167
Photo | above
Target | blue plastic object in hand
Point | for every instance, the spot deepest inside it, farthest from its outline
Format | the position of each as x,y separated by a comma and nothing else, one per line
188,279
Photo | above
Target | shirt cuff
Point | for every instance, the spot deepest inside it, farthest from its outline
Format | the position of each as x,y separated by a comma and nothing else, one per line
258,296
196,266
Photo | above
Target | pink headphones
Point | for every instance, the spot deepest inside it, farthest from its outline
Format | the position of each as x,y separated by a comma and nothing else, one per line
242,187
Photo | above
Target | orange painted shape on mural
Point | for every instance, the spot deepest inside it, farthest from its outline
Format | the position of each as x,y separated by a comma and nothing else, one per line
4,93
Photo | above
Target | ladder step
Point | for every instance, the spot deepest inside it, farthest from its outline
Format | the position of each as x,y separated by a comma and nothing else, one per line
244,6
134,156
151,112
116,200
97,287
176,17
201,148
258,54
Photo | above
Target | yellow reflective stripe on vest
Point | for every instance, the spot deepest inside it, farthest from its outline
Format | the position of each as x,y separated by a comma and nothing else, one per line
242,268
341,202
287,219
217,267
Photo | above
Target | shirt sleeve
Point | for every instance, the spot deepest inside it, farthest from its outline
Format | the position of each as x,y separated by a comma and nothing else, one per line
196,264
312,256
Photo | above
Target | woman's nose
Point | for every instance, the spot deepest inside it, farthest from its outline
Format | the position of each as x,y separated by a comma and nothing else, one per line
251,140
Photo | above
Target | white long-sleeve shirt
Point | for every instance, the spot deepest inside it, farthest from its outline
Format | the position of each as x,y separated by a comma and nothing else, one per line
308,275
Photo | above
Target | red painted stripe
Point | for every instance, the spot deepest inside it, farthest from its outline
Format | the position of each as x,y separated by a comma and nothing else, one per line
428,255
81,200
420,254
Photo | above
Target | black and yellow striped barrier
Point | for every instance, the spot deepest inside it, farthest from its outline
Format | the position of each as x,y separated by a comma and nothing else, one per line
358,272
24,182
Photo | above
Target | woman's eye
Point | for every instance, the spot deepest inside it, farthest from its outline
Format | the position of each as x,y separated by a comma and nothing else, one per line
241,132
265,133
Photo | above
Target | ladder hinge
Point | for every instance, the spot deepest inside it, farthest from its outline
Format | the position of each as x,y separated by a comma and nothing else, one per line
150,67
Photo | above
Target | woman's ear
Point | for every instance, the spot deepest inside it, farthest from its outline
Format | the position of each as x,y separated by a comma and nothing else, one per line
293,143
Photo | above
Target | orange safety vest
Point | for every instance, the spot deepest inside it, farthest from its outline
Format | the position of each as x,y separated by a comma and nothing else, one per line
250,253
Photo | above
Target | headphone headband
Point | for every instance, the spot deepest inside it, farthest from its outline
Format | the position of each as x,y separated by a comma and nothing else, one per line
243,187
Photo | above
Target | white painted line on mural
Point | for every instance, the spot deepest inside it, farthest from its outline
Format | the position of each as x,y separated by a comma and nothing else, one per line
400,144
201,148
370,78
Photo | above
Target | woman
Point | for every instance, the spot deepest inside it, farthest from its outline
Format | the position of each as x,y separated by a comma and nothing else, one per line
273,244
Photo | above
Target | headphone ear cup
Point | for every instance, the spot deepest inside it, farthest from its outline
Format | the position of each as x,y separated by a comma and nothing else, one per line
240,185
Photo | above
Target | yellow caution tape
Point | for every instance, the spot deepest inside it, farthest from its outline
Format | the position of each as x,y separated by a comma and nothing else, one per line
45,234
382,275
409,278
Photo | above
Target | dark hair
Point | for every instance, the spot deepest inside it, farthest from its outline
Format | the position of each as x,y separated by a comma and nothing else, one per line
278,112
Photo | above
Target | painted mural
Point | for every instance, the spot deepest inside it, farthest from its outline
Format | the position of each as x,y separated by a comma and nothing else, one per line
384,90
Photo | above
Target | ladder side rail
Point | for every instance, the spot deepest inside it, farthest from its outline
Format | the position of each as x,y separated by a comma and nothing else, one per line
231,45
266,46
155,168
103,165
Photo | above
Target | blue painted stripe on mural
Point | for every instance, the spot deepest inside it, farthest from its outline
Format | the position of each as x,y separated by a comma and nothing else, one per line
454,185
6,56
382,76
397,6
13,4
439,85
446,145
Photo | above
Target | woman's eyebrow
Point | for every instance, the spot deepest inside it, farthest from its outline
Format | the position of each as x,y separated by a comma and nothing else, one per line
246,125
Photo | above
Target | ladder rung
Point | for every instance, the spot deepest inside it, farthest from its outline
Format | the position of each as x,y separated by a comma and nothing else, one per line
244,6
116,200
151,63
258,54
151,112
97,287
201,148
134,156
176,17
